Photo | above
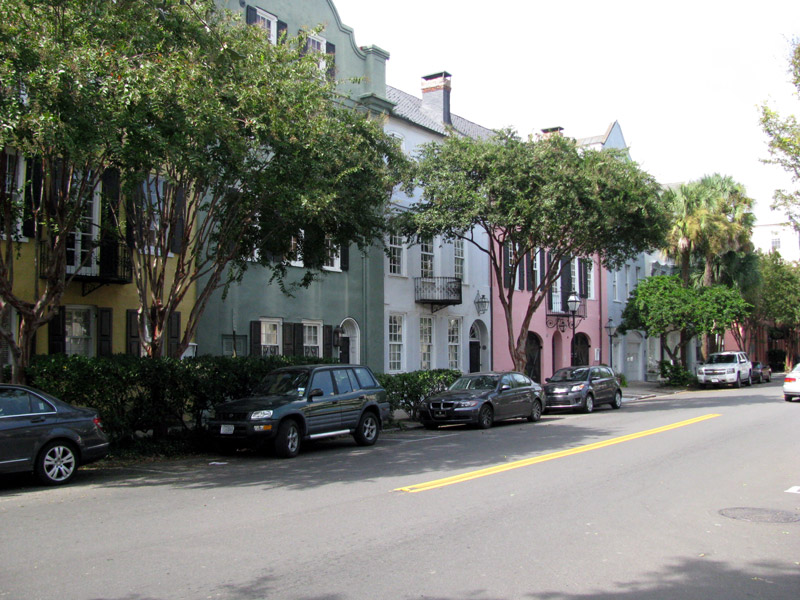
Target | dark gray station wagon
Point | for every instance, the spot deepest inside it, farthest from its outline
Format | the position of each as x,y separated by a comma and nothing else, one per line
307,402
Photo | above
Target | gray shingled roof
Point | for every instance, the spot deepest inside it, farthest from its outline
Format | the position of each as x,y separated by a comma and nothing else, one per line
409,107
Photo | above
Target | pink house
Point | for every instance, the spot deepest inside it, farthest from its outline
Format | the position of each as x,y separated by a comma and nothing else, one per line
550,342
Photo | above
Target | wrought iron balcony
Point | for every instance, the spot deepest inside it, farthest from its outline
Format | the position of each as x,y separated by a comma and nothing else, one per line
437,291
107,262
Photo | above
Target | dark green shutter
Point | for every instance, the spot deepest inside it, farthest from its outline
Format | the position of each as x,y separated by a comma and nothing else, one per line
255,338
57,333
104,327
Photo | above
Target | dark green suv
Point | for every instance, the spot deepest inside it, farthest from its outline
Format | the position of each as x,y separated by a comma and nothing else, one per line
307,402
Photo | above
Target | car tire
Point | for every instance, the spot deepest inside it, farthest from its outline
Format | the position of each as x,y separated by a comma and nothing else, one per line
485,417
617,403
588,404
738,383
787,398
368,430
287,442
56,463
536,411
750,379
769,378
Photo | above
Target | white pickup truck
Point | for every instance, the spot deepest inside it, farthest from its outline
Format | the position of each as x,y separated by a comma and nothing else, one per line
723,368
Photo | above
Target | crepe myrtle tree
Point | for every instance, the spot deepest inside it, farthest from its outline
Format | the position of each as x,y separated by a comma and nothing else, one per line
63,97
528,195
246,145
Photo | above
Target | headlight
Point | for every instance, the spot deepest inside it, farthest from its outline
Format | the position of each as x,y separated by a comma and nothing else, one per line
731,370
577,388
261,414
466,403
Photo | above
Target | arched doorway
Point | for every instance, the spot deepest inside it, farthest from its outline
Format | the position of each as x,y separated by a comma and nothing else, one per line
478,336
533,357
558,360
350,342
580,349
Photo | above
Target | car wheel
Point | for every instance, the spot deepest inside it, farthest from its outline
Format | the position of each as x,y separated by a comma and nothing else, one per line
738,383
368,429
750,379
769,378
617,403
485,417
536,411
57,463
787,398
287,442
588,404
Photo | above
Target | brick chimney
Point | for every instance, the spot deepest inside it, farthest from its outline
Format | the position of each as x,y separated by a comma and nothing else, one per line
436,96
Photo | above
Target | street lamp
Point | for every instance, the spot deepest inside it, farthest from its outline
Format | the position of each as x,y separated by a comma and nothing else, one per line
573,303
610,330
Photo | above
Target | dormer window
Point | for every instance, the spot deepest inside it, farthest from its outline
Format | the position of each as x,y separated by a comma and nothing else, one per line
317,45
261,18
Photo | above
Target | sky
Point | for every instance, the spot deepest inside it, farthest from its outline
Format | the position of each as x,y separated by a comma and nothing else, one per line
685,80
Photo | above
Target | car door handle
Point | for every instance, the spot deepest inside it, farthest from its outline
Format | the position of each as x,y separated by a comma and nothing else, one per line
38,420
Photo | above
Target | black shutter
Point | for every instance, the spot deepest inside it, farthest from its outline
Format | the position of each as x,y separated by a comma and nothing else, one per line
506,270
132,346
298,340
549,287
344,258
330,60
529,269
109,248
104,328
521,275
583,277
288,339
283,31
250,16
327,341
174,334
57,333
542,263
33,194
566,283
255,338
176,235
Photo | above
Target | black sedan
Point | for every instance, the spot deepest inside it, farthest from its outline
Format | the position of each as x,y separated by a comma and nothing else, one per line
583,388
42,434
482,399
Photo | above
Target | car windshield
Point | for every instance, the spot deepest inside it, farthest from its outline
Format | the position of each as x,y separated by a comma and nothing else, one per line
572,374
479,382
721,358
283,383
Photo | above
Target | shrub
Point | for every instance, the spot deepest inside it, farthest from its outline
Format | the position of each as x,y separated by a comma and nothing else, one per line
675,374
405,390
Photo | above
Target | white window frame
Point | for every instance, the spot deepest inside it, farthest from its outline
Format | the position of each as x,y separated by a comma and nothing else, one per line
537,276
89,338
268,22
267,348
615,285
396,342
397,256
459,260
333,260
555,293
427,253
14,185
627,281
454,343
91,219
575,273
318,39
590,278
312,330
426,337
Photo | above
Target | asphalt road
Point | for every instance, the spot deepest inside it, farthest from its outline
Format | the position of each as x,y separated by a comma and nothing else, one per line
695,495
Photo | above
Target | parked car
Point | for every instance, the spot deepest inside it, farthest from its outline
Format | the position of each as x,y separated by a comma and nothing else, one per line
483,398
723,368
294,404
761,372
42,434
791,384
583,388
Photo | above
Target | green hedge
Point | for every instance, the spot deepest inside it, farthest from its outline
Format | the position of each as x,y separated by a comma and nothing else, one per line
405,390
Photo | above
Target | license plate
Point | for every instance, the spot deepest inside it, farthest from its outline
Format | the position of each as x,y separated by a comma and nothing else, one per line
714,380
226,429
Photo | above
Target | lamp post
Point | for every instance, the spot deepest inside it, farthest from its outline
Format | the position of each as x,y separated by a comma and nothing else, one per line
573,303
610,330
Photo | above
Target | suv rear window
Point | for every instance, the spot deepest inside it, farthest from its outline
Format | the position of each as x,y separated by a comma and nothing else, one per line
365,378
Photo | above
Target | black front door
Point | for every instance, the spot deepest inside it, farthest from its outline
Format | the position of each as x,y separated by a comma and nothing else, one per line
533,357
474,357
344,350
580,350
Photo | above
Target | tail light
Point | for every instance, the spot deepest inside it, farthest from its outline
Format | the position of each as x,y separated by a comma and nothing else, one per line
789,380
98,423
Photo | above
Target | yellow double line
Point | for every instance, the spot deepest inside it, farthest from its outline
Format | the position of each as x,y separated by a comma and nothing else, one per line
437,483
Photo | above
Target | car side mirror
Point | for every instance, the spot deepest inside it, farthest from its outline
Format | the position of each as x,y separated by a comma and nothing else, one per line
315,392
505,387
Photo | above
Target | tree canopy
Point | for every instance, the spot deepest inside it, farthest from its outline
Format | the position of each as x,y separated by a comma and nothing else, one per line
531,194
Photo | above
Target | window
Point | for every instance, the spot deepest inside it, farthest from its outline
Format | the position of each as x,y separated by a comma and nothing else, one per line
267,22
535,276
458,259
81,242
614,285
332,258
234,345
10,183
271,337
79,330
395,342
396,255
590,278
14,402
342,379
627,281
426,258
322,381
425,342
555,293
574,271
317,44
312,338
776,243
295,257
365,378
454,343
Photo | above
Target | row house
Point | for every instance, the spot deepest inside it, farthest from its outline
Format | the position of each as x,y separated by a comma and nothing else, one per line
436,292
341,314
